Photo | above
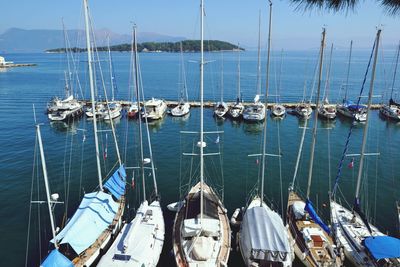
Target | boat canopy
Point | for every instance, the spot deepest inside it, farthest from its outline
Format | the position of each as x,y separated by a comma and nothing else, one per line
116,183
350,105
56,259
310,209
383,247
210,207
95,213
264,234
209,227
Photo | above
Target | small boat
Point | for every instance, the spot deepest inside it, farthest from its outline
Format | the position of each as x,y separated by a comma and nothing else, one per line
100,111
392,110
278,110
183,107
65,114
303,110
113,111
236,110
348,109
221,108
325,110
133,110
175,206
154,109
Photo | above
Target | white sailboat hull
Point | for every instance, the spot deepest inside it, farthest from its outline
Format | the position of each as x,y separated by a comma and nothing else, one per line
278,110
254,112
236,110
359,116
391,112
181,109
221,108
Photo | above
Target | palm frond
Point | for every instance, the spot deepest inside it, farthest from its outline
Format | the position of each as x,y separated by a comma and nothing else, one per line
335,5
392,7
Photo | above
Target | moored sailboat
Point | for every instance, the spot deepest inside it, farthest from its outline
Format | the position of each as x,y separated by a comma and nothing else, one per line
140,242
236,110
201,234
312,242
221,108
326,110
363,243
278,110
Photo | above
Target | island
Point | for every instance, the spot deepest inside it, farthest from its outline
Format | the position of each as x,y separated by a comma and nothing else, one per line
187,46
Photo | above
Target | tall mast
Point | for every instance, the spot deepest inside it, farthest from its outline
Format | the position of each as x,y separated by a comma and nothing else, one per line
364,140
266,104
201,109
184,93
314,136
222,76
91,81
238,78
68,81
136,66
348,70
259,55
328,73
46,183
111,69
395,71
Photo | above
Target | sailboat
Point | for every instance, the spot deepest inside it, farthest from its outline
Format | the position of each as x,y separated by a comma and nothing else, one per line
263,237
201,233
392,110
183,107
325,110
59,109
140,242
236,110
347,108
278,110
221,108
255,112
114,108
99,216
312,242
363,243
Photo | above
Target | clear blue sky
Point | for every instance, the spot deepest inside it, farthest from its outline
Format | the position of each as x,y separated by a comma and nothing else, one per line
229,20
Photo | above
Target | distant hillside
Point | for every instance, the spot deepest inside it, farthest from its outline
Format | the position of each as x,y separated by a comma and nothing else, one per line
187,46
19,40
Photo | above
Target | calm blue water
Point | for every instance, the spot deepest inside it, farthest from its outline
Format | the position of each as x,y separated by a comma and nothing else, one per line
71,163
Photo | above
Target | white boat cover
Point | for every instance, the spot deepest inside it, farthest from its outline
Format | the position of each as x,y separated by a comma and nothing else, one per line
298,209
203,248
262,233
209,227
95,213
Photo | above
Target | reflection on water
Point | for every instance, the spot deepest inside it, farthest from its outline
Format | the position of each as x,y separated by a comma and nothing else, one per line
253,128
181,120
62,126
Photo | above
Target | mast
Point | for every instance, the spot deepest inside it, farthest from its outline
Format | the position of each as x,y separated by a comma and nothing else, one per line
259,55
136,66
364,140
46,183
222,77
184,93
266,105
314,136
111,69
91,81
328,72
395,71
348,70
201,109
67,82
238,78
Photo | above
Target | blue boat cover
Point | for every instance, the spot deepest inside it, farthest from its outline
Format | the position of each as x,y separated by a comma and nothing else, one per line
310,209
352,106
95,213
383,247
56,259
116,183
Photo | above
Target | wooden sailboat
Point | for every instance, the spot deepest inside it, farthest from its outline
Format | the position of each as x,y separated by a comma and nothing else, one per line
99,216
221,108
363,243
140,242
255,112
347,108
278,110
392,110
312,242
325,110
201,232
236,110
263,238
183,107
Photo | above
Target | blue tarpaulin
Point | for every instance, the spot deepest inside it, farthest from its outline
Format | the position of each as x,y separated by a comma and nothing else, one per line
383,247
56,259
310,209
95,213
116,183
352,106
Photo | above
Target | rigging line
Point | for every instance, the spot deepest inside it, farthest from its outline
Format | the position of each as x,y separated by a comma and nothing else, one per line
65,170
280,167
346,147
38,210
69,170
30,202
383,66
82,160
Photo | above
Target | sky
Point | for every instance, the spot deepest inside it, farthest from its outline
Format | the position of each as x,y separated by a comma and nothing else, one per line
228,20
